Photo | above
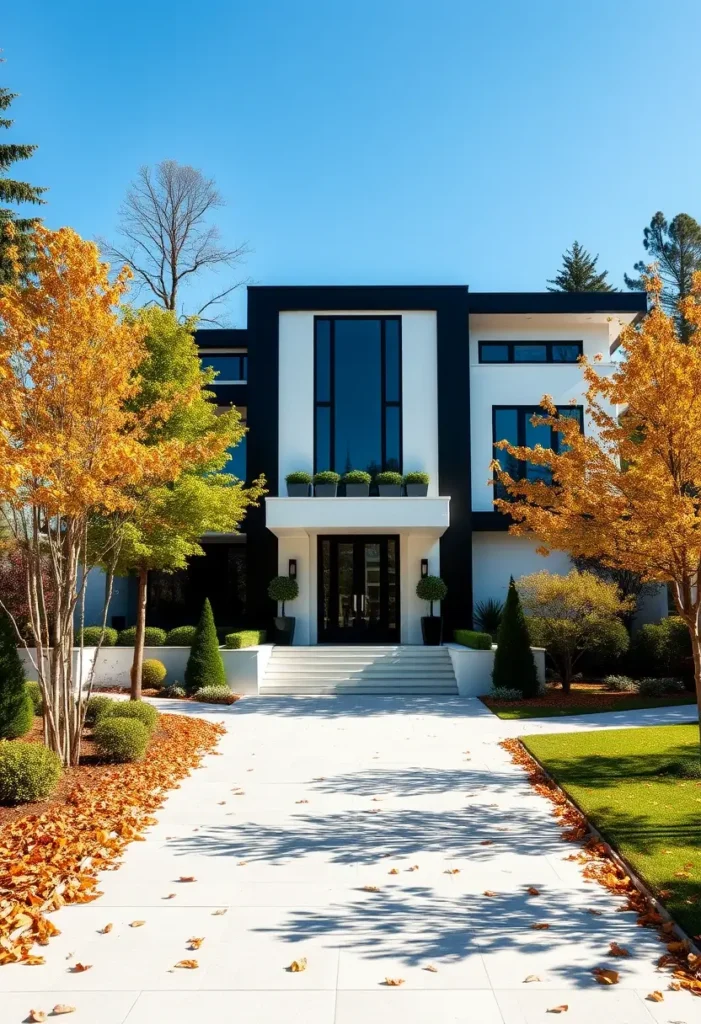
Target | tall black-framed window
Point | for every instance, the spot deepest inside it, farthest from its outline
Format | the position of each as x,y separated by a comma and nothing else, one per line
513,423
529,351
357,393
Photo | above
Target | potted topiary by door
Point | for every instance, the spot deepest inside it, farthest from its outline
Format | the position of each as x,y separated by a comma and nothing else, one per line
431,588
416,484
357,483
389,484
283,588
326,483
298,484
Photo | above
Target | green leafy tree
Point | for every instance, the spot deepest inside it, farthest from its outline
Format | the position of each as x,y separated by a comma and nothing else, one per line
675,246
579,273
205,666
165,529
16,708
15,231
514,664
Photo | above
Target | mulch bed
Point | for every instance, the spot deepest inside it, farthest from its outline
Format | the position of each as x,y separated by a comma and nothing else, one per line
51,853
599,865
593,694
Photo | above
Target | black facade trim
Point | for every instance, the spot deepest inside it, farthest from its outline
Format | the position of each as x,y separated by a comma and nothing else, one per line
222,337
230,394
492,522
558,302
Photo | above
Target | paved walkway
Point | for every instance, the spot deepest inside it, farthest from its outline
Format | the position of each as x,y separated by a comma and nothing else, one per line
412,795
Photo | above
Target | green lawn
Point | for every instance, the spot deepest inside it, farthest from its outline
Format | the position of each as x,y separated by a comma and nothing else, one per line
653,819
534,709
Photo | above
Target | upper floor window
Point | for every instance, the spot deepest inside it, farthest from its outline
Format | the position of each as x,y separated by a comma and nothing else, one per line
529,351
358,393
231,367
236,465
513,423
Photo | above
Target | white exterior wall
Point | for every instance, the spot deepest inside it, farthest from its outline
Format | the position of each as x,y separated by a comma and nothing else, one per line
526,383
498,556
419,391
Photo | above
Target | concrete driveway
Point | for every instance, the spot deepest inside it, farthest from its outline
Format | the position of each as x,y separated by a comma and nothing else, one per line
311,801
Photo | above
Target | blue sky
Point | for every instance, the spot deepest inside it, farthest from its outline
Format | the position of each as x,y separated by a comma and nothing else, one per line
376,141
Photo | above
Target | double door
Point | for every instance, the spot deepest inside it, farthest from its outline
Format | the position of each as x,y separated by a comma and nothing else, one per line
358,589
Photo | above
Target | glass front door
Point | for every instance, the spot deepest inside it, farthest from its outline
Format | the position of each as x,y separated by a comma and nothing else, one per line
358,590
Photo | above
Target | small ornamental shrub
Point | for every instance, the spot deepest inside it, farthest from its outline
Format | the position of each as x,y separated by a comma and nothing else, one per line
36,697
216,695
96,707
298,477
153,672
181,636
283,588
431,588
620,684
326,476
121,739
416,478
663,649
245,638
514,664
505,693
488,616
28,772
91,636
153,637
174,691
389,477
205,666
356,476
137,709
650,687
16,709
471,638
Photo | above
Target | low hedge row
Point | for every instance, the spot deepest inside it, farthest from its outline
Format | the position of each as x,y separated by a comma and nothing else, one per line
121,739
471,638
28,772
245,638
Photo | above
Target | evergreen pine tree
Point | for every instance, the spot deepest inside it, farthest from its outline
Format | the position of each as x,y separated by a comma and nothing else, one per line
12,191
16,708
579,273
514,664
205,666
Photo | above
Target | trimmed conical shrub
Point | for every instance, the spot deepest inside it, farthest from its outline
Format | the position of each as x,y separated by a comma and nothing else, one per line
514,664
16,708
205,666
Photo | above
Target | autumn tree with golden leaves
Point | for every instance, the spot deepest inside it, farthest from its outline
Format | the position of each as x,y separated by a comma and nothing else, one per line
71,446
628,492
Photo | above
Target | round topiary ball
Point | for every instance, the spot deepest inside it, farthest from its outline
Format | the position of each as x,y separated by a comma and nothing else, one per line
153,672
283,588
121,739
138,709
28,772
96,707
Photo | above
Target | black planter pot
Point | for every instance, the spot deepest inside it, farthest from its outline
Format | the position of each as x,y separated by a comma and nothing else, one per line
325,490
432,630
416,490
298,490
284,629
357,490
390,490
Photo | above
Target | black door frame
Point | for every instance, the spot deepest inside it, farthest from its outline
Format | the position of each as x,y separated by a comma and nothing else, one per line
336,635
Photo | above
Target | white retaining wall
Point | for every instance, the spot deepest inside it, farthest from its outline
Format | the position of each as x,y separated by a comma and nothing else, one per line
473,669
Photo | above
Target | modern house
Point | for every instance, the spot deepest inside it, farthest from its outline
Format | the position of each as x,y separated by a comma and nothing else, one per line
377,378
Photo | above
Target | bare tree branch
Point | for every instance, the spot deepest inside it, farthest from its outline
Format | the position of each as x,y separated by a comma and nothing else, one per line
167,239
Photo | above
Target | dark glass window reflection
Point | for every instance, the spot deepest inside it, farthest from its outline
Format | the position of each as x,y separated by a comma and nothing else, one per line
513,424
229,366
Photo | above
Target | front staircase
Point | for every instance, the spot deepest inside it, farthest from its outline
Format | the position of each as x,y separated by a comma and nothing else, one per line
360,670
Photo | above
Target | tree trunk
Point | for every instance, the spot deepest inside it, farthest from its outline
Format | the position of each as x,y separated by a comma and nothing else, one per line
138,662
696,649
566,673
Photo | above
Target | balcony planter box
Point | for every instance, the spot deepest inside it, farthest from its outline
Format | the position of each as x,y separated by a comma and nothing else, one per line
325,490
298,490
390,490
432,630
284,629
357,490
416,490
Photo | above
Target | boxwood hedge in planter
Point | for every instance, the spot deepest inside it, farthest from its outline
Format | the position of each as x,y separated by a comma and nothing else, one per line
298,484
28,772
389,484
153,637
472,638
181,636
326,483
244,638
91,636
357,483
416,484
121,739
